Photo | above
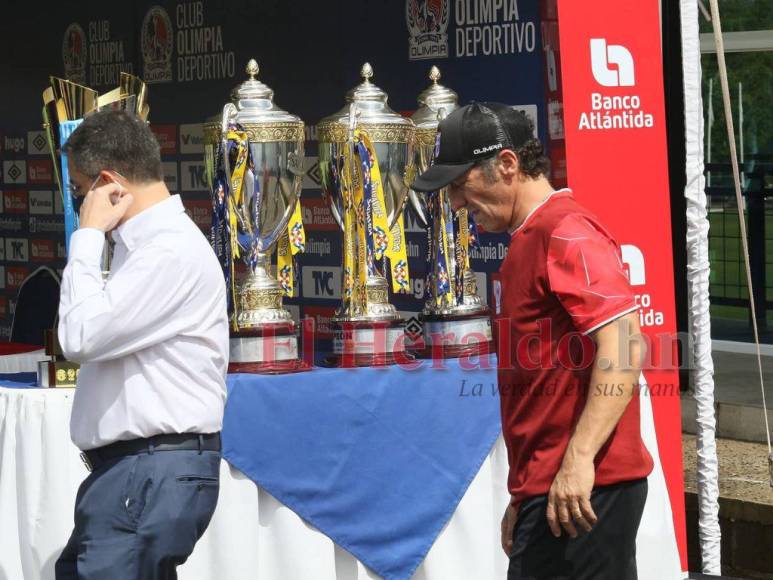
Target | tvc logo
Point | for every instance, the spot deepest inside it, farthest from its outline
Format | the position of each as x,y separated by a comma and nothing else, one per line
321,282
612,64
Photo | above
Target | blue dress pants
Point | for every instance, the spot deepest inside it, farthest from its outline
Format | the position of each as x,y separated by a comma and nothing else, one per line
138,517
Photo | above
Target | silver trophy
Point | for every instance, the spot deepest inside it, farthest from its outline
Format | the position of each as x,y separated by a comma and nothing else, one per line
369,331
455,321
262,201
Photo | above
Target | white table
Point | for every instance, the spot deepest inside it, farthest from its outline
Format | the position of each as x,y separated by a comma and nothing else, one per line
251,536
26,362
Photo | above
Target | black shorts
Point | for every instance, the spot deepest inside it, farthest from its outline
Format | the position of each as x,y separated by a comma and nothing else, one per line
607,552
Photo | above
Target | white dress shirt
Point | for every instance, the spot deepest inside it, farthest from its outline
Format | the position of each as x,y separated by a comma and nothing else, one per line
152,341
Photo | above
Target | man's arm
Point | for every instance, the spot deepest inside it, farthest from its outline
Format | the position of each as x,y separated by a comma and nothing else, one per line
620,351
133,310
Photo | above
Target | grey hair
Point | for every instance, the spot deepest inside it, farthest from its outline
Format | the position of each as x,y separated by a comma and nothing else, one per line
118,141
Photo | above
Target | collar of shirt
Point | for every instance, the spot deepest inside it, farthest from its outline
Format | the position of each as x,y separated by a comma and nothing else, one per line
138,228
557,193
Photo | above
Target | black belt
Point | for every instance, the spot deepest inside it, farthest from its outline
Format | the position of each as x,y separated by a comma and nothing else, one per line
93,458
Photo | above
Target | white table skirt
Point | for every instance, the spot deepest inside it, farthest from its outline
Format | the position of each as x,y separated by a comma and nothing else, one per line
26,362
251,536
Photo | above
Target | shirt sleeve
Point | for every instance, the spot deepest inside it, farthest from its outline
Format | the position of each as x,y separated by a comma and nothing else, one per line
586,273
133,310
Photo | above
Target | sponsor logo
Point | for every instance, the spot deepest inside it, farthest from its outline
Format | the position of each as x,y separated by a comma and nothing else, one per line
167,138
427,22
2,249
193,176
17,250
15,171
43,250
2,277
156,42
201,54
37,144
487,149
40,171
322,316
317,246
613,66
58,204
317,215
15,144
41,202
10,224
44,225
488,28
489,252
3,307
15,202
621,71
15,275
200,211
61,250
633,264
191,139
321,282
107,57
74,53
312,177
170,175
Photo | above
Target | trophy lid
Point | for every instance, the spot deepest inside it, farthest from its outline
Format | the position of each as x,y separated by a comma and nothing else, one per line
436,101
255,111
373,114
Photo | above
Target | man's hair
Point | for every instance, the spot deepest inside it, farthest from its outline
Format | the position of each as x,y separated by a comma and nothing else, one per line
532,161
118,141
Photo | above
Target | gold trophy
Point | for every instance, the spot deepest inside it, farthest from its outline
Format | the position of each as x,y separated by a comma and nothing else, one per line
254,164
65,104
366,161
455,322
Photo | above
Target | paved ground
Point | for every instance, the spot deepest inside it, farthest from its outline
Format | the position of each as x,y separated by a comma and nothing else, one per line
743,470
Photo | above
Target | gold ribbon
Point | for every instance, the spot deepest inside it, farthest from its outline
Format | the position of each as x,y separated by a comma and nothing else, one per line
394,239
292,242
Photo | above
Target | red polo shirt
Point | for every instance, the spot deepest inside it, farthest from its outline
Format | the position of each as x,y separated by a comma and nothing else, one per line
563,278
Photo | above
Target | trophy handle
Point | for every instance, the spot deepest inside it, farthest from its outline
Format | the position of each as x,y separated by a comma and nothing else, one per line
228,111
415,198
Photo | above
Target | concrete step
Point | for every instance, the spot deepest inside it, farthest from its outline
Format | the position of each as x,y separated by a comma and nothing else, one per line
745,508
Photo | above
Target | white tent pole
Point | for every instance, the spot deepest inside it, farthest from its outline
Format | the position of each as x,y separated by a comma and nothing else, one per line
698,270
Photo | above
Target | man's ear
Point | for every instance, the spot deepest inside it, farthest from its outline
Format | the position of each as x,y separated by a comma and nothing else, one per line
508,163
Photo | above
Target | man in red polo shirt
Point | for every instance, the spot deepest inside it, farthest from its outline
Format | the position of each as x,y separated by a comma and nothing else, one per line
570,354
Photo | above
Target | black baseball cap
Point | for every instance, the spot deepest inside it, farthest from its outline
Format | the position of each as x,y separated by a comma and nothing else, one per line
471,133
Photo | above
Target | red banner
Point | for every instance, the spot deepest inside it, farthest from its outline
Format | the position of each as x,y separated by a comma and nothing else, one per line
617,165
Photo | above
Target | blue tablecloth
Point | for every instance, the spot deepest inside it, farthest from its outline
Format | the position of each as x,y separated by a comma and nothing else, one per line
377,459
19,380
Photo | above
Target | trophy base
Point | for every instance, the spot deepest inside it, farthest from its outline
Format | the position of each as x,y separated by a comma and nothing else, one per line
454,335
368,344
268,349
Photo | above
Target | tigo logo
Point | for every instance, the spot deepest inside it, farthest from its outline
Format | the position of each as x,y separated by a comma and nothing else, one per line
603,55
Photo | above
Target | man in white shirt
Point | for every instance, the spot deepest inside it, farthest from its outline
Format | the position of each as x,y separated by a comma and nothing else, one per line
152,341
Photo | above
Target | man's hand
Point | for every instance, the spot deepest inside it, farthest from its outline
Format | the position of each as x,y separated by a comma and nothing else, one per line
569,496
104,207
508,525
